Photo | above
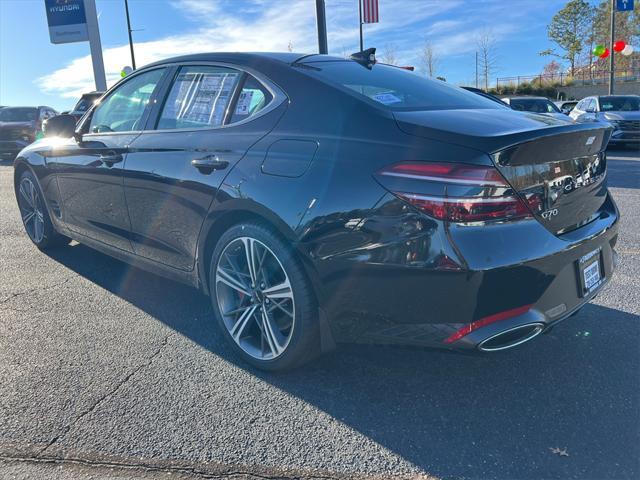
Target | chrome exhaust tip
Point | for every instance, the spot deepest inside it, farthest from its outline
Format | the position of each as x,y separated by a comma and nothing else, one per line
511,338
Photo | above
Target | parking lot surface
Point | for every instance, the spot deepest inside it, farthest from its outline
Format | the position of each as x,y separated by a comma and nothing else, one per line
122,374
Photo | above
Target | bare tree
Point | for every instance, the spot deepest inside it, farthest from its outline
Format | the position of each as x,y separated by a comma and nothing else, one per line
389,54
430,59
290,46
487,58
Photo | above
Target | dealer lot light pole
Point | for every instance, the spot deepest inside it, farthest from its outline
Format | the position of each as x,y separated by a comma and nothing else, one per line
321,17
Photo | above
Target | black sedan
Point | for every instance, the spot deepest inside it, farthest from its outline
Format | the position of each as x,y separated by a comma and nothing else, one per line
318,199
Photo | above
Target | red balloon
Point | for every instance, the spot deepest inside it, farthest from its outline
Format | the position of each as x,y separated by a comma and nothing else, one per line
605,54
619,46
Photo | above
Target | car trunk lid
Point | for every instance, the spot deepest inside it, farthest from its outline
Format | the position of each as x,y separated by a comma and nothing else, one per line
557,166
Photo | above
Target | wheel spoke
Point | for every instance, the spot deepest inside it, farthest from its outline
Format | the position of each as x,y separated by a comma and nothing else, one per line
27,218
26,195
269,332
281,290
275,304
38,231
249,249
228,280
241,323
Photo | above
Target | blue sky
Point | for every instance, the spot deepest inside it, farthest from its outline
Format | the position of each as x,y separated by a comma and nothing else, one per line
33,71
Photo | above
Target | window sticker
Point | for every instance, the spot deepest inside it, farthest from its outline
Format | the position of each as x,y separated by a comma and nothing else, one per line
386,98
244,102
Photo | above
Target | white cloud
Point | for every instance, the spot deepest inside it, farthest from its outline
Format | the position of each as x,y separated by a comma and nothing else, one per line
269,25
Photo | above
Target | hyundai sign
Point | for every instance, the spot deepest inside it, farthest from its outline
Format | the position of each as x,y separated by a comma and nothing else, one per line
67,21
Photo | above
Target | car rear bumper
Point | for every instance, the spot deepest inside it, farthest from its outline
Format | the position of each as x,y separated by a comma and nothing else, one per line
503,267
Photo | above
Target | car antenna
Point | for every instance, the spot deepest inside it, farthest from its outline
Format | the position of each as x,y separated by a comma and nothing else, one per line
366,58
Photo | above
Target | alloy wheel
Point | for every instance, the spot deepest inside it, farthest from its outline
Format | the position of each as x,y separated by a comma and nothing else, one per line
31,210
255,298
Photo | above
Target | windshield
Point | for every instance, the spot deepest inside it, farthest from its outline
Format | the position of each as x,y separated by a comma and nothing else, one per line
396,88
537,105
10,114
620,104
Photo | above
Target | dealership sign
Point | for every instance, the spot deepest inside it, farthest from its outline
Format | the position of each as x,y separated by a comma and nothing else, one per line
67,21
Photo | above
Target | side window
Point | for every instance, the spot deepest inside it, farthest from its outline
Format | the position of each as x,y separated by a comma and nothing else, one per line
253,98
591,105
198,98
123,109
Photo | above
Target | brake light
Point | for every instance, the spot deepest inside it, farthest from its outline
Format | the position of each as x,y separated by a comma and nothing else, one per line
481,193
483,322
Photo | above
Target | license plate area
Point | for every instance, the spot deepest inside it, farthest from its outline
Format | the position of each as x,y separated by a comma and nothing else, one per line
590,272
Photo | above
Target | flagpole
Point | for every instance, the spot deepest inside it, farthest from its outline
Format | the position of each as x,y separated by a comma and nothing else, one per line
360,12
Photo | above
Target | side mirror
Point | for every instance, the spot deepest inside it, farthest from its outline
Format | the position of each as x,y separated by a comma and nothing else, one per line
60,126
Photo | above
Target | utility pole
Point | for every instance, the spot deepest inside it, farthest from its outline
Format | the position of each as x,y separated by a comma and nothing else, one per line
95,45
133,58
321,18
360,13
611,63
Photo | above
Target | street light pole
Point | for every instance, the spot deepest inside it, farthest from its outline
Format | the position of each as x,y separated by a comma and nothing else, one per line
360,13
133,58
613,32
321,17
476,69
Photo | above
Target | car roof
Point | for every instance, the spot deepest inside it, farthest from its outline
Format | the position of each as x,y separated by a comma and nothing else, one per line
247,58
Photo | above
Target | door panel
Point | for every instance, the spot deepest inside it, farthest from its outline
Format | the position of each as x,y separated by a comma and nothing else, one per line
90,183
89,171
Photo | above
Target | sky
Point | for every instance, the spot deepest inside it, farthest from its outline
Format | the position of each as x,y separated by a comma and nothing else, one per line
34,71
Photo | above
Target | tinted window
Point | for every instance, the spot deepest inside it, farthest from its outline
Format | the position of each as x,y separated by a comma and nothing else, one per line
11,114
537,105
199,98
253,98
123,109
396,88
620,104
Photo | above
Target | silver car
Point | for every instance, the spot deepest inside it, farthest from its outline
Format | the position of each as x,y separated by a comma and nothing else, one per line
621,111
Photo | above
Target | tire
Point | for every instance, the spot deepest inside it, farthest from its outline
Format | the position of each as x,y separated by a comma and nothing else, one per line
288,336
34,213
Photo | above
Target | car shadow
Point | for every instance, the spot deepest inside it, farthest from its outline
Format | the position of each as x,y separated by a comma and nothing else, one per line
453,416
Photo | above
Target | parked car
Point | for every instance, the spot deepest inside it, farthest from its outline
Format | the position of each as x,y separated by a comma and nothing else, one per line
316,198
566,106
85,103
541,105
20,126
484,94
621,111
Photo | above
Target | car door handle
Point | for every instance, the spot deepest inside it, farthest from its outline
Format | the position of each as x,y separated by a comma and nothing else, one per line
111,158
209,163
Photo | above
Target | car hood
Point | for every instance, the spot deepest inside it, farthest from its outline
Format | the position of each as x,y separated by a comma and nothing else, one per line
621,115
488,130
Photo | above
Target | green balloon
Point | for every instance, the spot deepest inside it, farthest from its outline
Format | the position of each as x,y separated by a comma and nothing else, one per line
599,50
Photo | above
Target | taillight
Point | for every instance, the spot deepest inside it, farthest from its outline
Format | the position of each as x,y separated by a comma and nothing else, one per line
454,192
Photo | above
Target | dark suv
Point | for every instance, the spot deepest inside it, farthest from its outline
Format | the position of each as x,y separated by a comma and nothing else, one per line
20,126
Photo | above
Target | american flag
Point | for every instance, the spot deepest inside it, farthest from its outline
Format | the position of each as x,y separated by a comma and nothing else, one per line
370,11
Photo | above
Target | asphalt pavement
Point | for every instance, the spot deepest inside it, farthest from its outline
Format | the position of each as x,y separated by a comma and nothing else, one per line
109,372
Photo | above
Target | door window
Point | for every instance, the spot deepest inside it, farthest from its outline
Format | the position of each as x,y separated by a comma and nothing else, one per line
123,109
253,98
199,98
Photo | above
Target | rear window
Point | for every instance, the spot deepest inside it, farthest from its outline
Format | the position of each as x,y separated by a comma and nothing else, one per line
537,105
10,114
620,104
396,88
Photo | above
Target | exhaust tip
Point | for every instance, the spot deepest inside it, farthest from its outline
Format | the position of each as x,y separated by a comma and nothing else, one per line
511,338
